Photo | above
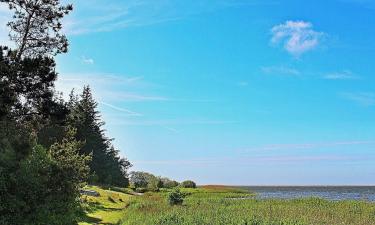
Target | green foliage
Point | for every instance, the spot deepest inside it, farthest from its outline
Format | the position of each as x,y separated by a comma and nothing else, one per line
188,184
107,167
41,165
176,197
36,27
167,183
44,189
140,179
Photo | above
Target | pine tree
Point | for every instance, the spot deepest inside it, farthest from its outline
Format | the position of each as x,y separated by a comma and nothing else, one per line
38,184
106,165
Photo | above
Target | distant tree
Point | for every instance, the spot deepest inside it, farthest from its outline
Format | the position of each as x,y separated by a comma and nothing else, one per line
36,27
139,179
188,184
167,183
154,183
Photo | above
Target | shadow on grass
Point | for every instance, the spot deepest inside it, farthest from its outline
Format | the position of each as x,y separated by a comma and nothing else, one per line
93,220
94,207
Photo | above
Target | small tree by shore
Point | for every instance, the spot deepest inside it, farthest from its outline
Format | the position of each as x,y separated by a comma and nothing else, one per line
188,184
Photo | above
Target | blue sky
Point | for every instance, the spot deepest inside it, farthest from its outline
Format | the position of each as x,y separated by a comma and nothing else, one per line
231,92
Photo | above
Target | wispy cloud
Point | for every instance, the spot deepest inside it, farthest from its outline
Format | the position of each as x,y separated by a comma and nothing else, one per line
168,122
343,75
120,109
134,97
131,13
297,37
88,61
279,147
282,157
280,70
363,98
106,86
171,129
254,160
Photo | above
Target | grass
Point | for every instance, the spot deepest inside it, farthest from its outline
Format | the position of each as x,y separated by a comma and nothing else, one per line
219,205
108,209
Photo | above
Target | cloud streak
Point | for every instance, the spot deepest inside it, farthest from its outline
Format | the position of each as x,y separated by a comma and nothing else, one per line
120,109
254,160
280,70
133,13
344,75
279,147
297,37
363,98
169,122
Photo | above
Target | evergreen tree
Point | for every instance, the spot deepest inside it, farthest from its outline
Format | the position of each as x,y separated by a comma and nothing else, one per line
106,165
36,27
38,185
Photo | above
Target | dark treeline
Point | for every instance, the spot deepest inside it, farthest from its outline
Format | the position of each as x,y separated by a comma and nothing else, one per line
143,181
106,165
49,148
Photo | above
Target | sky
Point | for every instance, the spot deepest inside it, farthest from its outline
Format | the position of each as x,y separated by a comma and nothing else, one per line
246,92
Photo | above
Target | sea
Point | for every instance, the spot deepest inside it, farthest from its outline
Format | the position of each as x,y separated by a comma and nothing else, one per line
335,193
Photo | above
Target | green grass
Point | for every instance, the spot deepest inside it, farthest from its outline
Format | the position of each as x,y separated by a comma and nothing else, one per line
218,205
108,209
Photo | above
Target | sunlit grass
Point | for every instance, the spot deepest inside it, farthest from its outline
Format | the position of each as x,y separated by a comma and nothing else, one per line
108,208
216,205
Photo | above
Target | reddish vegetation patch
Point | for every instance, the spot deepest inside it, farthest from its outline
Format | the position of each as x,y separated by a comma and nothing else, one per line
217,187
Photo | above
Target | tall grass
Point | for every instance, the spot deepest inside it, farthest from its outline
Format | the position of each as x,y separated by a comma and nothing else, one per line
221,206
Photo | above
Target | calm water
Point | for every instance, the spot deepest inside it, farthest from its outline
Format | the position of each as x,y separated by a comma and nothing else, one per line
330,192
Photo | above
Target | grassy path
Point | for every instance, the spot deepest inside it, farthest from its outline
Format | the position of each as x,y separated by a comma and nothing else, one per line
108,209
216,205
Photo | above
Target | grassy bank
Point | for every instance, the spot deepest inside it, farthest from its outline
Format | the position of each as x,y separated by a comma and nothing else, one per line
214,205
108,208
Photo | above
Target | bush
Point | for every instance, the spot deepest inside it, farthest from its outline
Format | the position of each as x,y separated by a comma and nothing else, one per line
169,183
188,184
176,197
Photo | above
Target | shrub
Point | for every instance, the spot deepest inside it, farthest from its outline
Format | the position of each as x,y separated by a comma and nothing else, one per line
167,183
188,184
176,197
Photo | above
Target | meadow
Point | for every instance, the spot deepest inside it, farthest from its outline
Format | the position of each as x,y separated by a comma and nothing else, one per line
216,205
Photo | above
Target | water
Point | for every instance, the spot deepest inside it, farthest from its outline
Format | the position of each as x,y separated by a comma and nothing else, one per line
325,192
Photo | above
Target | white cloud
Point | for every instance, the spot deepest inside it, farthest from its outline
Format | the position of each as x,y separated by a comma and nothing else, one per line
363,98
297,37
88,61
343,75
280,70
